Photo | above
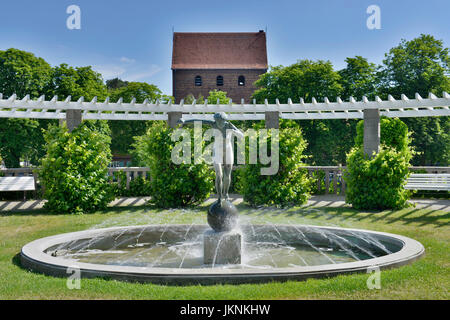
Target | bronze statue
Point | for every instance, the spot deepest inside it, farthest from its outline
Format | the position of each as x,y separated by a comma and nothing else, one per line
222,215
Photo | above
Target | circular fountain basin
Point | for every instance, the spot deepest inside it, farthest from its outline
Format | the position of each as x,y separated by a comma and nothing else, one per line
173,254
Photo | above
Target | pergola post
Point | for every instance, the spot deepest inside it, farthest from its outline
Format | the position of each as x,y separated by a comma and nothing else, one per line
371,131
272,119
173,117
73,119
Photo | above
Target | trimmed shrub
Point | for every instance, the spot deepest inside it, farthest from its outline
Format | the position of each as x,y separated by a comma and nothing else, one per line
378,182
290,185
74,170
393,133
171,185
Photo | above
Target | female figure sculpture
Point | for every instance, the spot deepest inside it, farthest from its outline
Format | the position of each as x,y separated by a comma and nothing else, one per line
222,215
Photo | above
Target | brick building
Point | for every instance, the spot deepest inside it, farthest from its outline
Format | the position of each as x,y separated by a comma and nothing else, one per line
229,62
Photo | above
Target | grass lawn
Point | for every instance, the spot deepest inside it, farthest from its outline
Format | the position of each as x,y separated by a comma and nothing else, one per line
428,278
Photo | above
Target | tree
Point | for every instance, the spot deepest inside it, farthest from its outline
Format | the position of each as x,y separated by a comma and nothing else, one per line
21,73
304,79
18,138
421,65
76,82
122,132
116,83
79,82
307,79
189,99
217,95
358,79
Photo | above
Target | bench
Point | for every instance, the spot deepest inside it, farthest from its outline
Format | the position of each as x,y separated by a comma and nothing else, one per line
17,184
429,181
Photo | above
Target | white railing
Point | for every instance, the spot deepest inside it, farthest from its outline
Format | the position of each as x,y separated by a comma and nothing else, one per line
329,179
107,110
130,173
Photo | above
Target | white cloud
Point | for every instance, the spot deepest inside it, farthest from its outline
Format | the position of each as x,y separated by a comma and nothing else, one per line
110,71
146,73
127,60
127,70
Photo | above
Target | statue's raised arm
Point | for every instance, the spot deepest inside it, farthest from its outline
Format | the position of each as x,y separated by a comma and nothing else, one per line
235,130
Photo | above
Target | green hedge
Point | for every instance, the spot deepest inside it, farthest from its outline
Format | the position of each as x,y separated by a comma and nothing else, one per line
171,185
74,170
378,182
290,185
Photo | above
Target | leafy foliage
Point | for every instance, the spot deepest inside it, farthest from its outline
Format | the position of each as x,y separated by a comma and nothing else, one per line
138,186
189,99
359,78
393,133
76,82
116,83
328,140
431,140
21,73
74,170
290,185
378,182
217,95
304,79
18,138
421,65
138,90
172,185
124,131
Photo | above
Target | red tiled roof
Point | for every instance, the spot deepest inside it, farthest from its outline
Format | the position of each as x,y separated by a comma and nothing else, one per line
242,50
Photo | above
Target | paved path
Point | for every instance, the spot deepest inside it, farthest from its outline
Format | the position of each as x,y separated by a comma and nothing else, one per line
315,201
339,201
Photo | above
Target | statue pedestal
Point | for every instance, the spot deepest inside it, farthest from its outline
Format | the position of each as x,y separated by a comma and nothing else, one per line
222,247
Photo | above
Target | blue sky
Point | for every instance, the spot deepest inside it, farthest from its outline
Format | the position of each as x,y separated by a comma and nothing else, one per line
133,39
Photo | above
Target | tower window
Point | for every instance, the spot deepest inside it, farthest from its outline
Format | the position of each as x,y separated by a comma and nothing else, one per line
219,80
198,81
241,81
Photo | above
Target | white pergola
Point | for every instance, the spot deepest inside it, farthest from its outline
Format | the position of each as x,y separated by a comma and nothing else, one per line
370,111
13,107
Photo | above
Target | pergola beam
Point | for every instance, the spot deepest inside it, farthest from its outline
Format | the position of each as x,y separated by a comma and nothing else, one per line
232,116
75,111
339,106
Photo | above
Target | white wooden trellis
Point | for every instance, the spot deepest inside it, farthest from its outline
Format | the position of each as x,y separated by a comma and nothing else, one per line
75,111
40,108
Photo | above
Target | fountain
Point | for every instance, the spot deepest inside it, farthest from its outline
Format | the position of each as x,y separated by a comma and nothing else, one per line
223,252
223,244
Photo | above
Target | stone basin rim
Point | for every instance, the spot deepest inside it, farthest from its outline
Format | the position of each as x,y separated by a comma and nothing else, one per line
34,258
